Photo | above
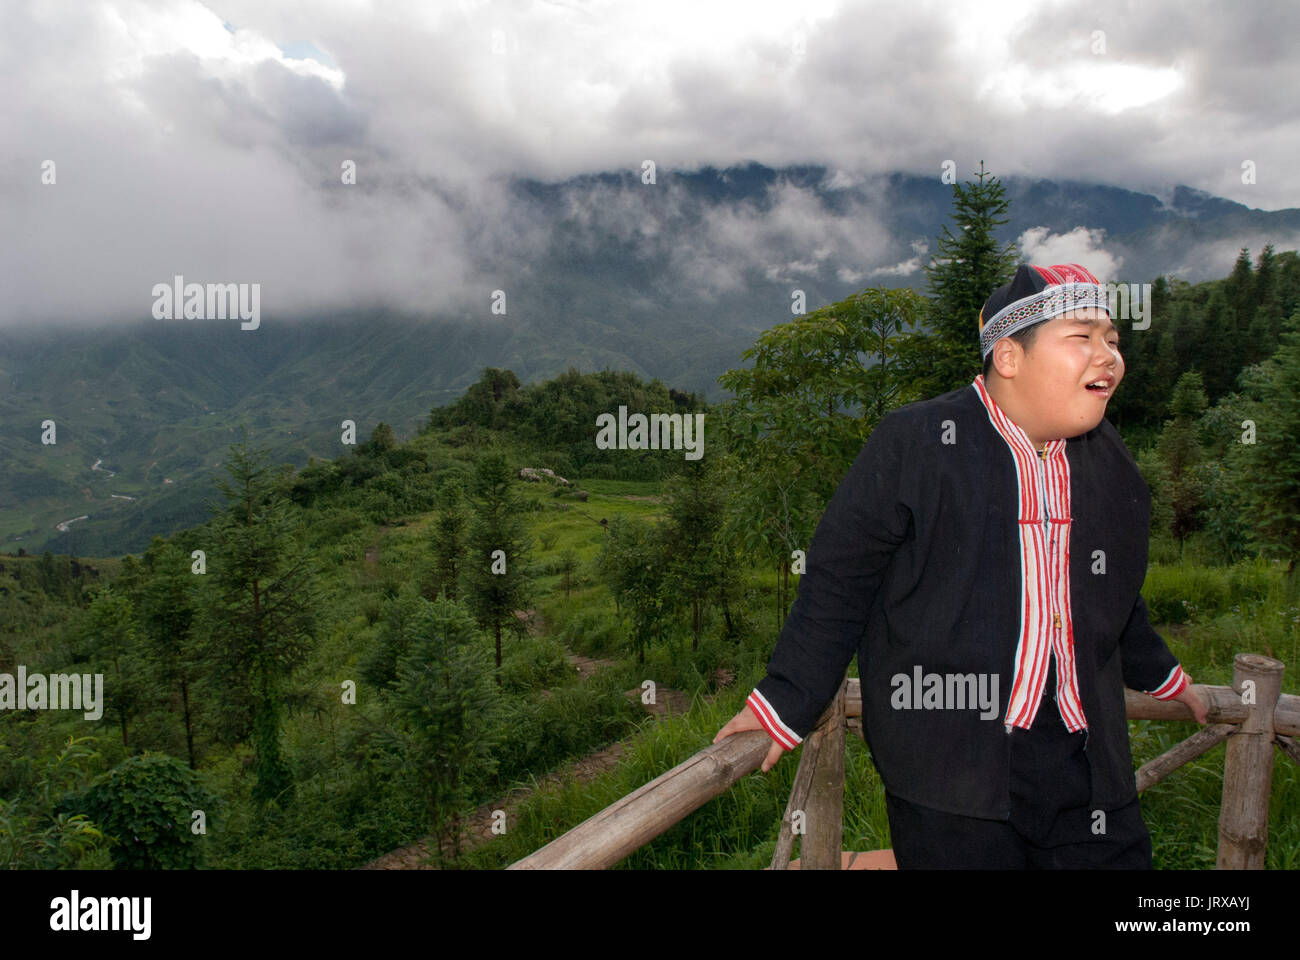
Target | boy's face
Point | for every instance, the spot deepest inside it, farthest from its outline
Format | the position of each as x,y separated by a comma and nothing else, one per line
1052,376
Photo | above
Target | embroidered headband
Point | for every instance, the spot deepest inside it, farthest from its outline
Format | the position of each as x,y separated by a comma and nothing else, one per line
1036,294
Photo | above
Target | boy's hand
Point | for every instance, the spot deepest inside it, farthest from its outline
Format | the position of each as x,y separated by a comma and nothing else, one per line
1194,701
746,720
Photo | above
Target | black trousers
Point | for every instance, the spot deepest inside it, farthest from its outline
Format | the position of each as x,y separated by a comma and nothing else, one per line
1052,826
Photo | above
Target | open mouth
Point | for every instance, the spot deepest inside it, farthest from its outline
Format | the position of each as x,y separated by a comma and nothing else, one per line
1101,387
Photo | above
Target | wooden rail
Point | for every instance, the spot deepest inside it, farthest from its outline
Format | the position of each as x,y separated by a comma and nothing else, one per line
1252,715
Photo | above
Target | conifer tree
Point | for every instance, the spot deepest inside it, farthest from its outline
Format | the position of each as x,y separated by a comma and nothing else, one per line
449,534
498,573
264,605
169,612
1181,452
966,268
1240,289
1273,461
696,502
111,632
448,714
1266,324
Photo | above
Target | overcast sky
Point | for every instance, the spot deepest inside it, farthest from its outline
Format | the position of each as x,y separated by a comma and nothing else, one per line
208,139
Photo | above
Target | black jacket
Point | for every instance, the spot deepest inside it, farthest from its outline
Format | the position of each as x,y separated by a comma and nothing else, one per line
916,562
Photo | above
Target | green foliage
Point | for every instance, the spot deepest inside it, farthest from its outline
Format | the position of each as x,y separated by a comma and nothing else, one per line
169,640
35,832
447,711
399,619
559,416
803,411
567,568
449,538
540,732
1180,449
109,630
361,773
810,393
592,632
634,562
501,584
966,268
534,663
1273,461
262,614
146,803
381,442
699,551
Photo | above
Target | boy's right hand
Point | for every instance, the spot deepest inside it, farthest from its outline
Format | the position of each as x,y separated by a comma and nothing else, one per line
747,720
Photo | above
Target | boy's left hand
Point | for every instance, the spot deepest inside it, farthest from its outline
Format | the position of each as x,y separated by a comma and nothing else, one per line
1193,700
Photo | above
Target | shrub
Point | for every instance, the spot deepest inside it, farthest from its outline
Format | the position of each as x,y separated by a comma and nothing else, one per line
146,803
532,663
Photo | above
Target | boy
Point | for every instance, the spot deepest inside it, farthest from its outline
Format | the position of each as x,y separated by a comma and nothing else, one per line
983,556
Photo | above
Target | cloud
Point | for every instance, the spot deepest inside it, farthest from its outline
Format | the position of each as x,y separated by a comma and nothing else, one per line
906,268
208,139
788,238
1081,245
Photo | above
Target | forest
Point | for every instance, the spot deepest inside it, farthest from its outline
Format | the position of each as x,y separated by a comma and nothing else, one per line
446,641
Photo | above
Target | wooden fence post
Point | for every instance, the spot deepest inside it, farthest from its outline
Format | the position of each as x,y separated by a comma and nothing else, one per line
1248,766
822,843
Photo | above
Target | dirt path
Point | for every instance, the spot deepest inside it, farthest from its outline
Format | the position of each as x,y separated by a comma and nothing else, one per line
476,829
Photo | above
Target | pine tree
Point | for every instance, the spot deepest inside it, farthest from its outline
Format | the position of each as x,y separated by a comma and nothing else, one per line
567,569
1180,450
967,267
695,502
498,572
111,633
168,617
1273,461
449,539
1266,324
263,610
448,712
381,441
1240,289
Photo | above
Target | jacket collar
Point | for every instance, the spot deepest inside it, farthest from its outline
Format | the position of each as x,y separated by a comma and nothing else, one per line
1010,430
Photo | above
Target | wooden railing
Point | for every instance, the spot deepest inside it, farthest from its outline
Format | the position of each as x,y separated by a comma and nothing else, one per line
1252,715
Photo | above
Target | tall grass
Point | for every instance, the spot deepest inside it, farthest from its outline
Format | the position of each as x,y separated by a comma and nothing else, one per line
1246,608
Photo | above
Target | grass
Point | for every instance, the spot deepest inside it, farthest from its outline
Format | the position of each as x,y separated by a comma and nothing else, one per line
1246,608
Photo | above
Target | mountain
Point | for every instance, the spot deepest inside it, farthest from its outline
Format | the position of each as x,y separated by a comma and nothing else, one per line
672,280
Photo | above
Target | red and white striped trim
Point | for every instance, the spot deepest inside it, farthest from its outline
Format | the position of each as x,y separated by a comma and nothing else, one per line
1174,684
1045,574
771,722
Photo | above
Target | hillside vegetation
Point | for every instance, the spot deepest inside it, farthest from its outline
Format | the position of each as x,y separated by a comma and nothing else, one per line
343,659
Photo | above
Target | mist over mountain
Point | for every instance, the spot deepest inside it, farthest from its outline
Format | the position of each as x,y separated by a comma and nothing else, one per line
670,280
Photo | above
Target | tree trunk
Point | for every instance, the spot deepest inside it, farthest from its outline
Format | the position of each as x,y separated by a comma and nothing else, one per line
189,725
778,599
498,632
